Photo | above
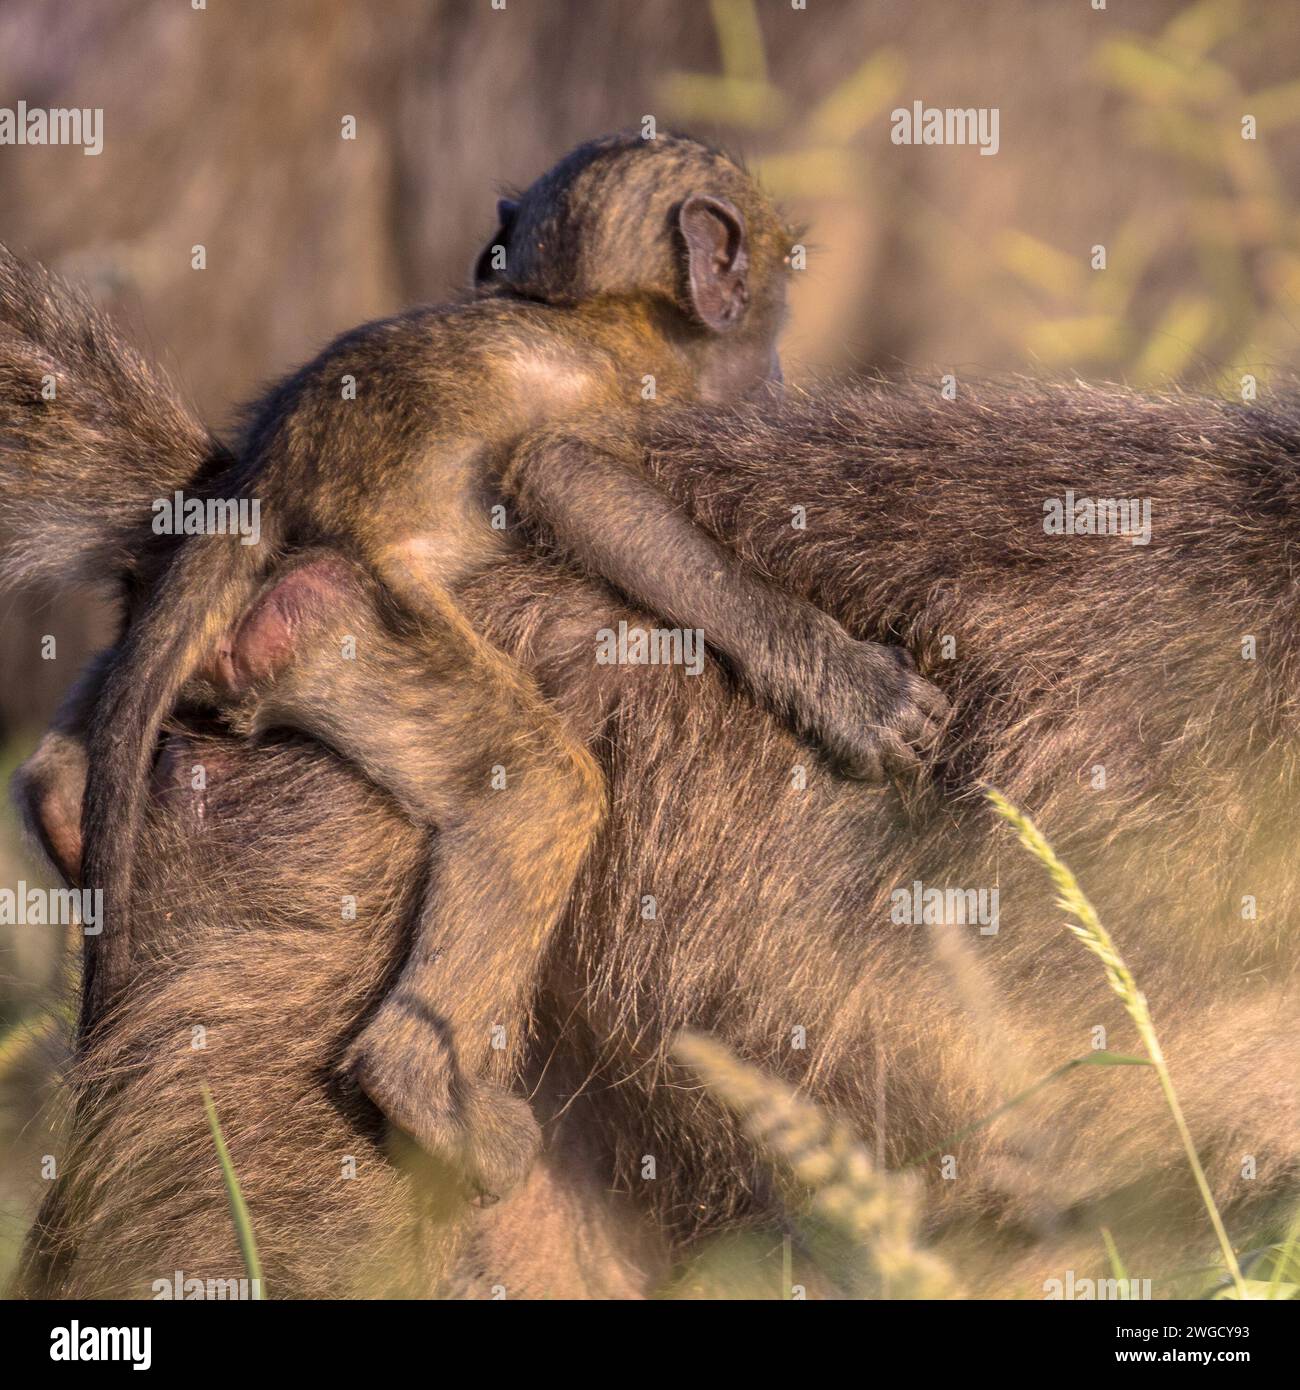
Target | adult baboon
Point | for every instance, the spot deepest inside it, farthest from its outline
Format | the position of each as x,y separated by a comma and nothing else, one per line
1108,687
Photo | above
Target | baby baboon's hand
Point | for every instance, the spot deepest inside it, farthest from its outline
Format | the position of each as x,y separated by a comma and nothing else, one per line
404,1065
873,714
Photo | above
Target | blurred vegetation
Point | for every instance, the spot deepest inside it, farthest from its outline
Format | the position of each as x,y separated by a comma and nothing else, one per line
1202,267
860,1227
860,1224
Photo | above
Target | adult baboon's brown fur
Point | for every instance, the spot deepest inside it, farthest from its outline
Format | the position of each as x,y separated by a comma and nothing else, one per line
772,903
256,983
925,520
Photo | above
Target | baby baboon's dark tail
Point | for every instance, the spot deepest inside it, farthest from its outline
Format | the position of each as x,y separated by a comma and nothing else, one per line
211,580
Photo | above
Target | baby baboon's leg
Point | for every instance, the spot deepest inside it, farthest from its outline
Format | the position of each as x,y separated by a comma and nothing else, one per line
466,746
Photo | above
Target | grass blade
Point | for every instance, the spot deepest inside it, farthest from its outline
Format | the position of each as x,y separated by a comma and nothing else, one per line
1112,1254
1287,1260
877,1211
238,1207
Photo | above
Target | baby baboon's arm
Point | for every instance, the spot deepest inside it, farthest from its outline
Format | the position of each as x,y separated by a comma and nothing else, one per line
860,700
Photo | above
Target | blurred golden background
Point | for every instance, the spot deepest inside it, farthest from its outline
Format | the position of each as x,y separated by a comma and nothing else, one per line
1120,127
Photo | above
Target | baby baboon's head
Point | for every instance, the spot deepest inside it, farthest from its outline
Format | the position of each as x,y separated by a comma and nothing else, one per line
670,220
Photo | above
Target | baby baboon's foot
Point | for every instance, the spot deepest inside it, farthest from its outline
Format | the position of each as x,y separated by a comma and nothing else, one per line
500,1138
402,1062
874,715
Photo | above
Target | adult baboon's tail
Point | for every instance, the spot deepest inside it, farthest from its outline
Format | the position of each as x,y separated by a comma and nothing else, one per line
90,434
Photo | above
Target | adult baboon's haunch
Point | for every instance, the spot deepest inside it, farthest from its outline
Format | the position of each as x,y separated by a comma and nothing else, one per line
253,982
1108,687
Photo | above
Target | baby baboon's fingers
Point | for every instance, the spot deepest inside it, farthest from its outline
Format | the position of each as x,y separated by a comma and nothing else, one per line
930,699
898,756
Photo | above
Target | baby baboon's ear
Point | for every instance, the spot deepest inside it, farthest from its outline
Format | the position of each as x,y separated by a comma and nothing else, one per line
717,261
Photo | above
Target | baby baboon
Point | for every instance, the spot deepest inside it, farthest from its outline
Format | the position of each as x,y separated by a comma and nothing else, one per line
633,268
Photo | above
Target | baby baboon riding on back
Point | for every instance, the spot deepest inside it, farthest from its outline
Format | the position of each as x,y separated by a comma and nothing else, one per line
634,272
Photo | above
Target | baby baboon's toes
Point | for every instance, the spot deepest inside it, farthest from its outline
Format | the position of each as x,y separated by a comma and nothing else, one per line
483,1133
502,1138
